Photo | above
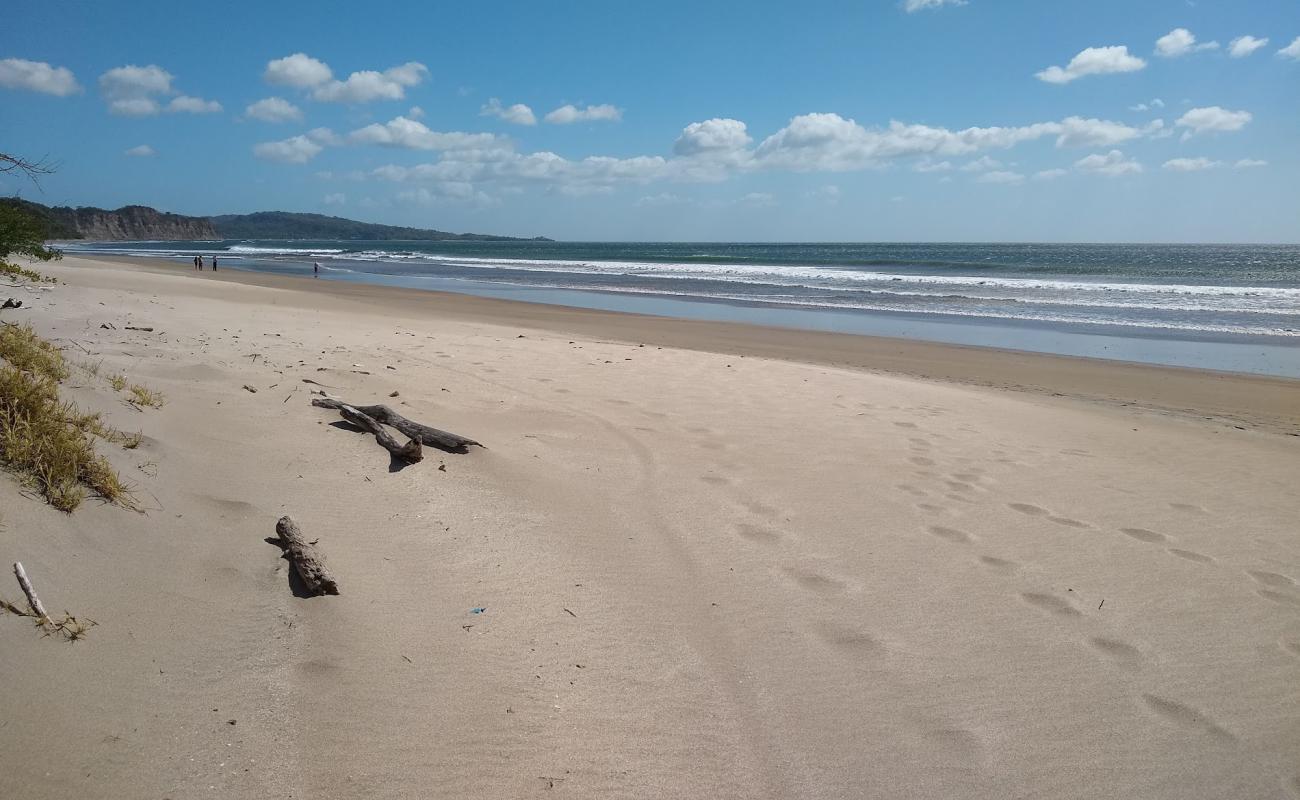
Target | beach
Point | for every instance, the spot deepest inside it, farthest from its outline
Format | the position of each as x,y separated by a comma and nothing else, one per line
695,559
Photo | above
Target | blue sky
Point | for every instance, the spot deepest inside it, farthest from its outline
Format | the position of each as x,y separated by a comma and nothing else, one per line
1096,120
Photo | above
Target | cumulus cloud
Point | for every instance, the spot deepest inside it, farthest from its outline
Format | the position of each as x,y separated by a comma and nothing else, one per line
37,76
1180,42
334,199
1250,163
193,105
758,200
1093,61
1243,46
1292,50
569,114
1191,164
981,164
926,165
1001,176
140,151
324,136
913,6
661,200
274,109
1050,174
1212,119
712,137
295,150
407,133
368,85
1153,105
299,70
415,112
134,91
517,114
1112,164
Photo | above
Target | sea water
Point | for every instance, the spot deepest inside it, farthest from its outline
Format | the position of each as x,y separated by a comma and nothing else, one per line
1231,307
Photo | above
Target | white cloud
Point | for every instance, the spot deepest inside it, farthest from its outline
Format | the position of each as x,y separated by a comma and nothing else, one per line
132,91
1180,42
324,136
981,164
758,200
274,109
37,76
1080,132
1292,50
415,113
712,137
140,151
1112,163
403,132
193,105
913,6
299,70
296,150
1191,164
334,199
661,200
517,114
1212,119
1093,61
569,114
1050,174
927,165
1250,163
1243,46
829,194
1001,176
368,85
1154,104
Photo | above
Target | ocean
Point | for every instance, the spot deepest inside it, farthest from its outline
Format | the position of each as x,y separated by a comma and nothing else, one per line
1234,307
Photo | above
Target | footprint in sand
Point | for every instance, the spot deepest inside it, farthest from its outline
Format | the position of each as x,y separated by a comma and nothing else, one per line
999,563
1123,654
851,641
756,533
960,499
815,581
1271,578
1144,535
932,508
1050,602
959,486
951,534
1191,555
919,444
716,480
1069,523
1186,717
905,424
912,490
1028,510
1279,597
922,461
1188,507
760,509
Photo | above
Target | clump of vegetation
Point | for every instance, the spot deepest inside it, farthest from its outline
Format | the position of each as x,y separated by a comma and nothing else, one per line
23,234
117,381
44,439
68,627
144,396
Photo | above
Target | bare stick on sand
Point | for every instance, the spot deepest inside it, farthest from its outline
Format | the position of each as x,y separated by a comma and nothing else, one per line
306,559
32,599
409,452
443,440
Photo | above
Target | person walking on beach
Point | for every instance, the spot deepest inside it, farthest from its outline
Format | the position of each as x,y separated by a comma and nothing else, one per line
315,269
200,258
194,263
214,263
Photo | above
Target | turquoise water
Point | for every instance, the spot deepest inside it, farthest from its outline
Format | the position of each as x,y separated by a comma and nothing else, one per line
1234,307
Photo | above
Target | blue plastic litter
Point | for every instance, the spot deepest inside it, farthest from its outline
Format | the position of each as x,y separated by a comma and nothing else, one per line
478,610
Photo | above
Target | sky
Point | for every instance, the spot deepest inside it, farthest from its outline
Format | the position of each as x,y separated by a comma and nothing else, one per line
873,120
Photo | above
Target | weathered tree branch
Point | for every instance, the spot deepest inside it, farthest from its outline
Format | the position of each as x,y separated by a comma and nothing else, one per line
409,452
306,559
32,599
443,440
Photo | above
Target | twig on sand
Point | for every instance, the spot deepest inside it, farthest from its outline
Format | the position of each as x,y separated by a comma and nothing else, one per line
32,599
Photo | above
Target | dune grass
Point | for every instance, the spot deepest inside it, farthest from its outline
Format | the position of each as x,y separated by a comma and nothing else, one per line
45,440
22,273
144,396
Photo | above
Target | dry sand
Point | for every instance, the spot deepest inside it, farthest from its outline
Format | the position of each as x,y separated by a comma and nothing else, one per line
730,563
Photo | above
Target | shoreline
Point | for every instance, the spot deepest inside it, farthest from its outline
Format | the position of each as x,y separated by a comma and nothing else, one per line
1264,402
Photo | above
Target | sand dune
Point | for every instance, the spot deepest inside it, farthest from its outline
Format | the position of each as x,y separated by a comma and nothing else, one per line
706,571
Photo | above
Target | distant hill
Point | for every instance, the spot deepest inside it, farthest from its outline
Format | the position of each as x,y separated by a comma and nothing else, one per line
288,225
141,223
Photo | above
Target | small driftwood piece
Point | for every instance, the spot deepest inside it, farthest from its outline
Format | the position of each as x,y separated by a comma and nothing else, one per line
32,599
443,440
134,328
409,452
306,559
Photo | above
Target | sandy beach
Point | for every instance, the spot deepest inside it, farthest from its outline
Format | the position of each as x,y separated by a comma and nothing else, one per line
710,561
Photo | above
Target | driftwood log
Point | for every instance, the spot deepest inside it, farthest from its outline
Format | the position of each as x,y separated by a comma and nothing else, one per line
32,599
443,440
306,559
409,452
